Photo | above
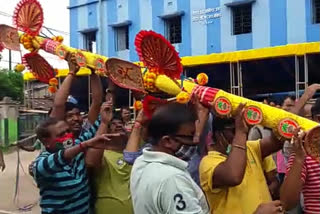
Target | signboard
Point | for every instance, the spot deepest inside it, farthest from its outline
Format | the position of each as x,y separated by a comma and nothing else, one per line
206,16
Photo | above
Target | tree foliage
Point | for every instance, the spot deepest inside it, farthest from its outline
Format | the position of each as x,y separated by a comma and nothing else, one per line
11,85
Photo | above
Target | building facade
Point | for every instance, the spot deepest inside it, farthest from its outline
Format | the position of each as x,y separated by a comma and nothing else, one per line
195,27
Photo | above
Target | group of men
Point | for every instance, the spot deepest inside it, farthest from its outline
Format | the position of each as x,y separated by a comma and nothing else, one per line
106,164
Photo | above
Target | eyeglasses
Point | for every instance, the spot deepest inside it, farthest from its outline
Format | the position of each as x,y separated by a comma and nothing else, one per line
183,138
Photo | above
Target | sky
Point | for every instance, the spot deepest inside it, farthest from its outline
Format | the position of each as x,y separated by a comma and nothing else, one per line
56,16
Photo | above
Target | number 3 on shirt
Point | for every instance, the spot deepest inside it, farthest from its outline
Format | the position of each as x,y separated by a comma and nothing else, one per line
180,203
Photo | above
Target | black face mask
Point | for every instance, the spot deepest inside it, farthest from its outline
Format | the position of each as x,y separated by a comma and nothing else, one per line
186,152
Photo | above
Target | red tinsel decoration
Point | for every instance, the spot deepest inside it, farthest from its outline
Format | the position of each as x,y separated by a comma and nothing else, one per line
150,104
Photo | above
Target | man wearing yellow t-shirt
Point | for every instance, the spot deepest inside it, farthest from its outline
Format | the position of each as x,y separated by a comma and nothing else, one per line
111,184
231,175
268,165
111,174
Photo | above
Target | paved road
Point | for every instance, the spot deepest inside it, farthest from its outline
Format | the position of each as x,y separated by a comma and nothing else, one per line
28,192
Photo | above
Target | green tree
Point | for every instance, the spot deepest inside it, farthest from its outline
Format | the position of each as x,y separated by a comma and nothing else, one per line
11,85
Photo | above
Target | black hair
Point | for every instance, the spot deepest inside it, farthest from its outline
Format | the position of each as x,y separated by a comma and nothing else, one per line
167,120
116,116
69,106
288,97
316,108
273,100
219,123
124,108
42,130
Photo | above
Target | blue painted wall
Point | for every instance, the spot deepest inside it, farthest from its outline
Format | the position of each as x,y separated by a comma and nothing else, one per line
74,27
157,10
260,25
111,18
296,21
313,30
278,22
244,41
134,16
274,22
213,30
186,30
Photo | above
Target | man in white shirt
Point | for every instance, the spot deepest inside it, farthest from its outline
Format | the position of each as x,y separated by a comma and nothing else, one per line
160,182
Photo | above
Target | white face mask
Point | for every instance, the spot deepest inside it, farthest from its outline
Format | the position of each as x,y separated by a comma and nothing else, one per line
67,143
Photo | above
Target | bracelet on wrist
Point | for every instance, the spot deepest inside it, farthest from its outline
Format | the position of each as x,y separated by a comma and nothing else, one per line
239,147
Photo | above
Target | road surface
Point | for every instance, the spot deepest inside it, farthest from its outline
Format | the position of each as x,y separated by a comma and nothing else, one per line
28,192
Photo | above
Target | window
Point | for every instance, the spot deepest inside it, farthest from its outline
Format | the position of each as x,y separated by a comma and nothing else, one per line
242,19
173,29
90,41
316,11
122,38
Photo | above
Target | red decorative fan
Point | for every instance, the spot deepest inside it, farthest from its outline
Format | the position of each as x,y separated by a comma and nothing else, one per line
28,17
9,38
40,68
125,74
312,143
156,52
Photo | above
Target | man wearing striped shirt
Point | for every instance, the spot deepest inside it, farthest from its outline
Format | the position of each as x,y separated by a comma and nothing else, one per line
60,171
303,175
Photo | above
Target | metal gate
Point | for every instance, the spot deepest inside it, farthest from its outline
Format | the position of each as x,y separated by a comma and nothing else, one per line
27,123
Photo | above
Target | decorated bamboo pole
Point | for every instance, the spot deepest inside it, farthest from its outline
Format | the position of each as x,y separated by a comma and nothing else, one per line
224,104
55,47
163,74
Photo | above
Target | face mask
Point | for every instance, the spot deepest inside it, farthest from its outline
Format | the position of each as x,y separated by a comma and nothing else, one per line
64,142
186,152
228,150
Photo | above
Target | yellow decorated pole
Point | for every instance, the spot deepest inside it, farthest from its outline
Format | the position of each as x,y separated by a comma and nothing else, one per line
282,122
223,103
84,58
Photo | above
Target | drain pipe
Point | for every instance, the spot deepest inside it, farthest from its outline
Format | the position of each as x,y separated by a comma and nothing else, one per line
100,20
